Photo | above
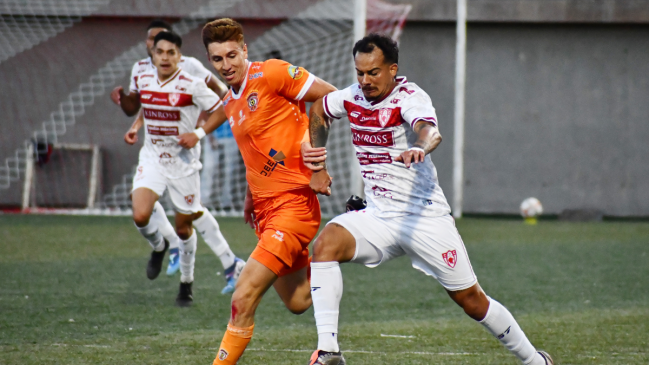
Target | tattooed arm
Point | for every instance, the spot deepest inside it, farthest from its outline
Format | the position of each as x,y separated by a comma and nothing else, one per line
428,138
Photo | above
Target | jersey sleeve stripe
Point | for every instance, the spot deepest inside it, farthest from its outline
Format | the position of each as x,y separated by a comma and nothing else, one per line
215,106
305,88
326,108
425,119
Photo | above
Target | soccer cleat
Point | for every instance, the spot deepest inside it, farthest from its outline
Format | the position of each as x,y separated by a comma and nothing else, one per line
174,262
232,275
185,297
546,357
154,266
320,357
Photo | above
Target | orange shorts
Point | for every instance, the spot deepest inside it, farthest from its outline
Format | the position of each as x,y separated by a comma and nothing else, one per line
286,224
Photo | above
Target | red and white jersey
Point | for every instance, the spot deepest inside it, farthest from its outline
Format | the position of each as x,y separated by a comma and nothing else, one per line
381,131
171,108
189,64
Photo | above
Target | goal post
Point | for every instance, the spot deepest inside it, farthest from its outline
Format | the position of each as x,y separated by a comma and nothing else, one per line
458,135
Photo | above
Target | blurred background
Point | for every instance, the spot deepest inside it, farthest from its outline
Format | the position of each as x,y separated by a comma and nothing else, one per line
557,96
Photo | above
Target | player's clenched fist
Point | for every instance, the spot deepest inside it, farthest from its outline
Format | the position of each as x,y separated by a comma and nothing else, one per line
188,140
313,158
131,136
116,95
321,183
413,155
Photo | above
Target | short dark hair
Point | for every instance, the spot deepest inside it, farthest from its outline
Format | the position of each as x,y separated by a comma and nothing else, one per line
159,23
168,36
383,42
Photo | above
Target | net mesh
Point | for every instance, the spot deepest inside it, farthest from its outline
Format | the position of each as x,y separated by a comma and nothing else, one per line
319,38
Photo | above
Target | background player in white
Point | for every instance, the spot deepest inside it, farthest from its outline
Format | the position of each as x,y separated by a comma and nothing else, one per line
394,127
169,159
130,104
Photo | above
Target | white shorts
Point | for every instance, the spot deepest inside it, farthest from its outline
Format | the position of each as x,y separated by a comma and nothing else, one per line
185,192
433,244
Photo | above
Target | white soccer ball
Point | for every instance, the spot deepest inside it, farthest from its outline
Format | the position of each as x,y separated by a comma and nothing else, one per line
531,207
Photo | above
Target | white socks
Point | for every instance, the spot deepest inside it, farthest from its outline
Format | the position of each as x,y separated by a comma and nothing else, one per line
326,292
152,234
207,226
187,258
159,217
500,323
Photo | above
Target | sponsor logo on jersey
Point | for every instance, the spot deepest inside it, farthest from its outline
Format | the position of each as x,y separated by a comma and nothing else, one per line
367,158
227,100
161,143
450,257
189,199
144,85
384,116
380,192
427,202
372,139
223,354
141,69
295,72
255,75
241,117
365,119
358,98
143,63
395,101
180,88
354,114
406,90
256,67
174,98
231,121
370,175
277,158
156,130
253,100
146,96
164,115
278,236
181,78
145,76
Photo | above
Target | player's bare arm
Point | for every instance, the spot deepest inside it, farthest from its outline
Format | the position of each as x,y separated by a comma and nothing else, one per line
130,103
215,120
131,135
428,138
319,125
219,88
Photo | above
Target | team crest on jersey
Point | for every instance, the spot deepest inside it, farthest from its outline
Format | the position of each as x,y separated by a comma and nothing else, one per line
295,72
450,257
253,100
174,98
223,354
189,199
384,116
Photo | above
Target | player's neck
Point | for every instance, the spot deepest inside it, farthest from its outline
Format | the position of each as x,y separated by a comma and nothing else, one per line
164,78
237,87
382,97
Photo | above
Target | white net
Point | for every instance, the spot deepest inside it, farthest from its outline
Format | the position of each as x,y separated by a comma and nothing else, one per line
318,37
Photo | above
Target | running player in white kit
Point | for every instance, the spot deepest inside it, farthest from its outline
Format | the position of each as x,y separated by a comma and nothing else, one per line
170,157
206,225
394,127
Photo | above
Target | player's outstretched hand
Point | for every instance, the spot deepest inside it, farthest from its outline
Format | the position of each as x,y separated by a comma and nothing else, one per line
131,136
249,211
321,183
188,140
311,156
116,95
413,155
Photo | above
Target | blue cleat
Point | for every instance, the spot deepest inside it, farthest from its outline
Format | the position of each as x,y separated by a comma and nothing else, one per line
174,262
232,275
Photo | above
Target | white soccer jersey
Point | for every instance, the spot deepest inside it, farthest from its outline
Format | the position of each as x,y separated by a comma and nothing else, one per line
171,108
189,64
381,131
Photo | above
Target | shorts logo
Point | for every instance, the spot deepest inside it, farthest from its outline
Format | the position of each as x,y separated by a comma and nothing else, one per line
278,236
295,72
253,101
384,116
450,257
223,354
190,200
174,98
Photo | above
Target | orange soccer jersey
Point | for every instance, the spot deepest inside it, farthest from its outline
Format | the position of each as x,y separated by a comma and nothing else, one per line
268,121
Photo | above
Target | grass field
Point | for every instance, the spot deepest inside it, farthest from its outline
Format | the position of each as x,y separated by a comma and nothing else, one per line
74,291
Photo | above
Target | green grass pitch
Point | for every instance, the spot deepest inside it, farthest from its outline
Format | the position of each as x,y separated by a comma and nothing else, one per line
74,291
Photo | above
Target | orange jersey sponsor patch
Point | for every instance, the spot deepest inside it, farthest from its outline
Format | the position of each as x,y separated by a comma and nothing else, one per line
268,120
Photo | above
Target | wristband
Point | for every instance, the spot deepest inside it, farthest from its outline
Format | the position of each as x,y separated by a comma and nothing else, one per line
417,149
200,133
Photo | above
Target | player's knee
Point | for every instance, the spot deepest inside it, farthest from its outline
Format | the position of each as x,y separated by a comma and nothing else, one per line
300,306
184,232
141,218
327,247
242,304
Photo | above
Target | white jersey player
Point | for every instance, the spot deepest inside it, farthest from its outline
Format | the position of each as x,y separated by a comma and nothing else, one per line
171,101
394,127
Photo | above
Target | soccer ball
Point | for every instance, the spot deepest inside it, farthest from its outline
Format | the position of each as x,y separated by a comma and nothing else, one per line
531,208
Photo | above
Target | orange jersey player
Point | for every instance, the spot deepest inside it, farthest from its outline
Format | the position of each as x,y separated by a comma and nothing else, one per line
265,108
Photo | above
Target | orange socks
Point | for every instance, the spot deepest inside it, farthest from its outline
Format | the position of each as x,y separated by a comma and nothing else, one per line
233,345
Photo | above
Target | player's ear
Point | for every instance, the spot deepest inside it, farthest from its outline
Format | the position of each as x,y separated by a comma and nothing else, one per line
394,68
245,51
